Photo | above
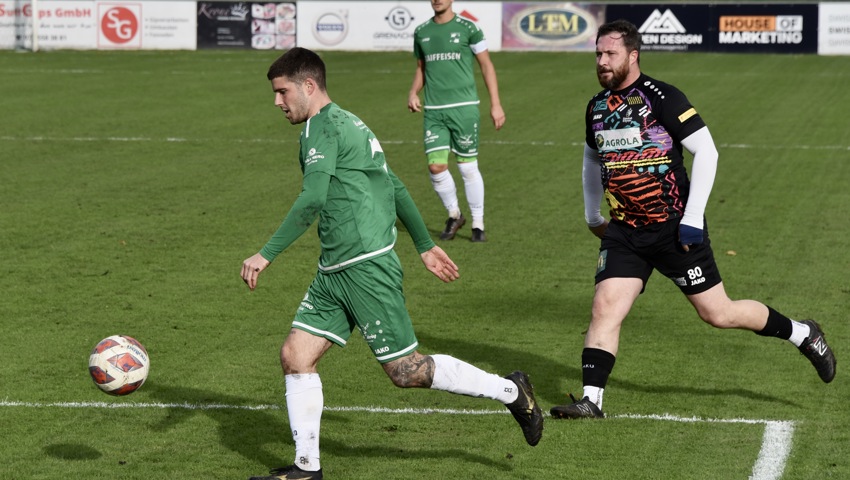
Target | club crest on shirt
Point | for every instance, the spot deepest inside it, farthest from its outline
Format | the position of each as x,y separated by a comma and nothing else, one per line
313,156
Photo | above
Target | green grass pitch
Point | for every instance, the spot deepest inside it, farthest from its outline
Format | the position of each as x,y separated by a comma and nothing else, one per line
133,184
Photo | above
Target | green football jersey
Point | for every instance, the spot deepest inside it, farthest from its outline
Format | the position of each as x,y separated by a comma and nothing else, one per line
447,50
358,220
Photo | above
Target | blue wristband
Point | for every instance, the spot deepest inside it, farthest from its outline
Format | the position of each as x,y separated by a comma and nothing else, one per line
689,235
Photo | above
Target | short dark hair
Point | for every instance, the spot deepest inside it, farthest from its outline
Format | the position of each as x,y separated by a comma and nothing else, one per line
298,64
631,36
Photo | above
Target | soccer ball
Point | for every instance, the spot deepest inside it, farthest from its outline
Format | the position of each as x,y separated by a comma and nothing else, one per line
119,365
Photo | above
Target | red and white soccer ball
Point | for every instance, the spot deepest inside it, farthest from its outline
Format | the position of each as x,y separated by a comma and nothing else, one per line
119,365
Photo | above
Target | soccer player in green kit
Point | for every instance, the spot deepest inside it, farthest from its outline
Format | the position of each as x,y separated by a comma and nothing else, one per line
351,189
444,47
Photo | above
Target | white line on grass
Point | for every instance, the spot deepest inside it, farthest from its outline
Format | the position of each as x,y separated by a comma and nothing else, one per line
775,446
12,138
221,406
775,443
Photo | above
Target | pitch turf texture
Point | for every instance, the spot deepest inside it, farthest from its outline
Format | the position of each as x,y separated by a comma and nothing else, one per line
135,183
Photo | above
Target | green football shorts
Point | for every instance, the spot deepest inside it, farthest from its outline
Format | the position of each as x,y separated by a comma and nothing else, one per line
366,295
452,128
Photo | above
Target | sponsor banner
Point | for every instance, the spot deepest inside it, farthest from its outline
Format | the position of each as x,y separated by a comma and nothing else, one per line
169,26
15,24
377,25
85,25
770,28
834,29
146,25
551,26
120,25
667,27
261,26
66,24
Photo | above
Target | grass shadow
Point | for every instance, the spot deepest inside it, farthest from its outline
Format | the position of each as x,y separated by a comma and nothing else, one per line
547,376
72,451
262,436
254,434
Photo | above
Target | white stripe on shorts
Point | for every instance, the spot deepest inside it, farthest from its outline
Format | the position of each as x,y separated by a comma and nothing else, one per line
452,105
399,354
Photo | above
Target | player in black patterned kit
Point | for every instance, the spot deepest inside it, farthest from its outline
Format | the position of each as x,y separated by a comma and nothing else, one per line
636,130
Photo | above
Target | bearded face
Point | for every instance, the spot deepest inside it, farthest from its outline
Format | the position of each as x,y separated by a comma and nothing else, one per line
613,62
613,76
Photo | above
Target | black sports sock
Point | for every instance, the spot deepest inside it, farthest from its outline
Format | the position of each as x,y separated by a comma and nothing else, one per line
778,325
596,365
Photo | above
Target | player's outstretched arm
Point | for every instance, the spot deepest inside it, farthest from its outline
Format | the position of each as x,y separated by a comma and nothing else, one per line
302,214
488,71
439,263
413,102
434,258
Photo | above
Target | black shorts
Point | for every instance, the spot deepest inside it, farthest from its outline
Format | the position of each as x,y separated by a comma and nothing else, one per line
628,252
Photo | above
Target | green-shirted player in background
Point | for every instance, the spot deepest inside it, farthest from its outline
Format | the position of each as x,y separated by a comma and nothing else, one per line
351,189
444,47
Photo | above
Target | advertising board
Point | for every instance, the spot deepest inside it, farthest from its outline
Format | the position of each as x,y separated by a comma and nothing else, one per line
834,29
768,28
69,24
375,25
261,26
86,25
148,25
551,26
668,27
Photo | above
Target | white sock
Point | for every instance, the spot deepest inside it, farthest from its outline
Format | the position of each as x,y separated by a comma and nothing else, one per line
799,332
444,185
304,403
473,183
455,376
594,394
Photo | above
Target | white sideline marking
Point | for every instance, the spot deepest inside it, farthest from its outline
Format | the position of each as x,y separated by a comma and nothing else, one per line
775,448
11,138
775,443
770,464
221,406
